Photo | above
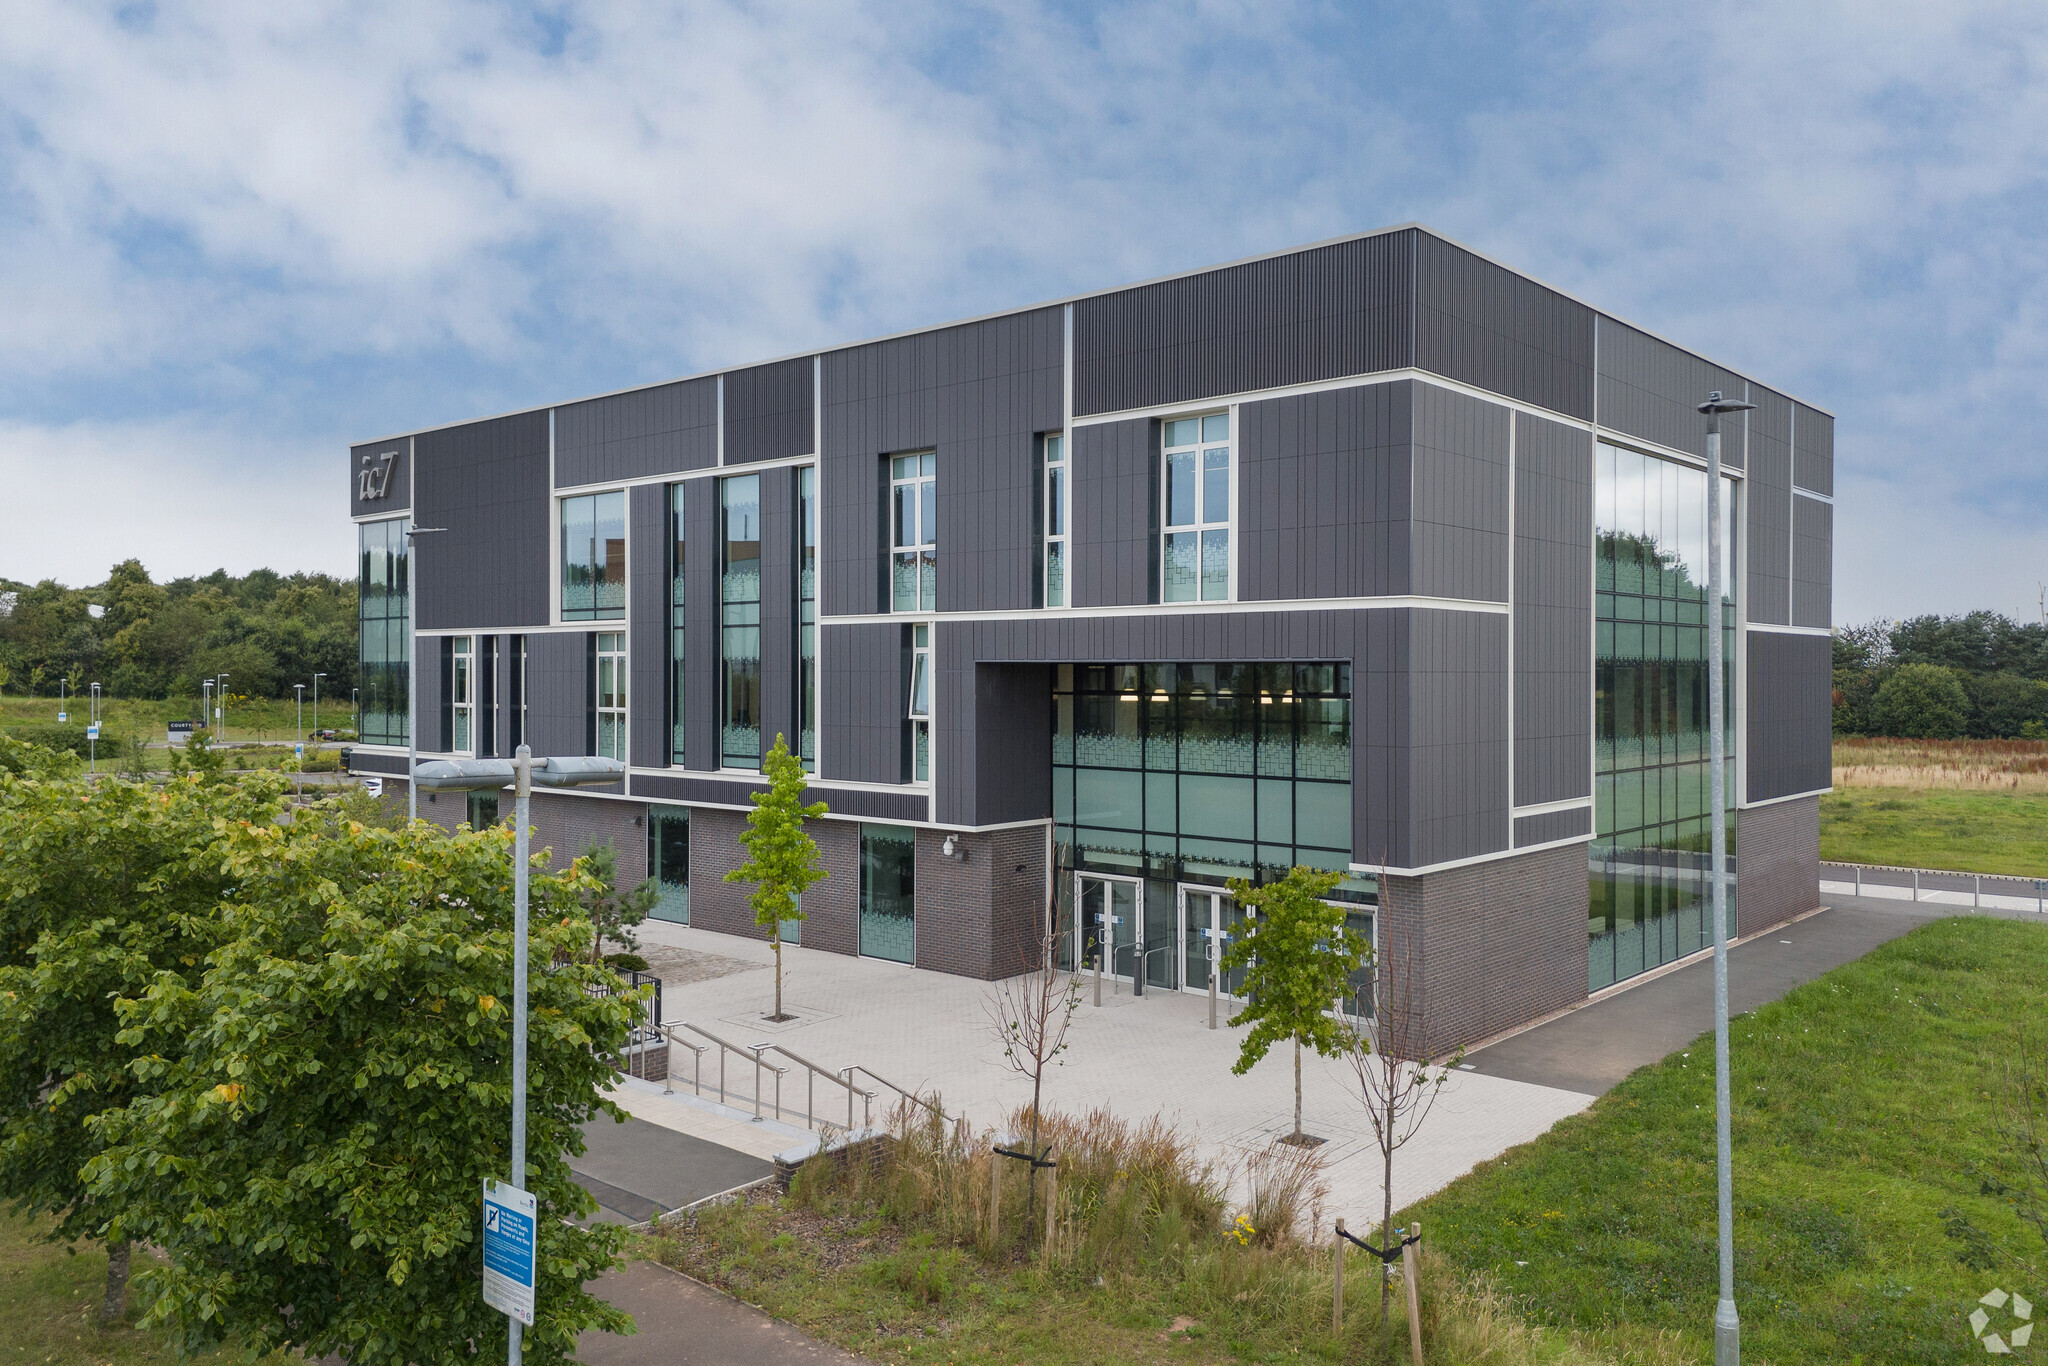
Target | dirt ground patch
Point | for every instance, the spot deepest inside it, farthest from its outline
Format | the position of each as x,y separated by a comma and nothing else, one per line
680,967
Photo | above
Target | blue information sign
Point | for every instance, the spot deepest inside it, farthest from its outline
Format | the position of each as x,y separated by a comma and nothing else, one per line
508,1250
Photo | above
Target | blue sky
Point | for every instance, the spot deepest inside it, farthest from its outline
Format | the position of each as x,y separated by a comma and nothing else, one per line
236,236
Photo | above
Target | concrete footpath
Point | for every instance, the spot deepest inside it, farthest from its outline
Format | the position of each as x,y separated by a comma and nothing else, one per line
685,1323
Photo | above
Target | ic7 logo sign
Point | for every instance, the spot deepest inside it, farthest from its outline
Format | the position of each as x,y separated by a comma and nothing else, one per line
373,478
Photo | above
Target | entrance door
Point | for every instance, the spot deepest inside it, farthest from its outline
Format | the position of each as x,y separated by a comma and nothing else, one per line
1208,920
1109,907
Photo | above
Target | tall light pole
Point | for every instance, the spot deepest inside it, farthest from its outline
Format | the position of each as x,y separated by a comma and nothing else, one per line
220,698
1727,1325
206,702
299,717
412,671
316,700
488,775
92,733
61,715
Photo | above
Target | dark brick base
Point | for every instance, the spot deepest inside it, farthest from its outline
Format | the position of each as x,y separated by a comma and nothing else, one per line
980,916
831,907
569,827
1491,946
1777,863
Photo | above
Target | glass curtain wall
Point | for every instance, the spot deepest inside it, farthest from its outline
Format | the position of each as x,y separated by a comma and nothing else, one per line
594,557
888,892
1649,856
668,862
1201,772
383,610
675,624
740,623
807,617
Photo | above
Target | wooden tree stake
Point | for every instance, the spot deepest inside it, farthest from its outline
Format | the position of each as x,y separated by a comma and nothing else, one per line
1337,1295
1052,1204
1411,1272
995,1195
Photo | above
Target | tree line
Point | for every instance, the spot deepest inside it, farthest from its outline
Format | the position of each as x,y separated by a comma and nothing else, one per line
1979,675
140,639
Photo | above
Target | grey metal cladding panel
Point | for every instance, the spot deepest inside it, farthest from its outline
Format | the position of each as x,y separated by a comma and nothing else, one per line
700,624
1813,461
778,607
1553,825
1791,714
647,627
1115,502
994,738
839,801
1311,315
1652,390
1324,493
1487,326
768,411
1458,736
558,685
397,489
977,394
487,483
1813,567
1553,620
1769,510
663,430
1459,541
860,703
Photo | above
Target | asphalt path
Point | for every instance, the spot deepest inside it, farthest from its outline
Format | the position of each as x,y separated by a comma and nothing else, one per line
1592,1048
640,1171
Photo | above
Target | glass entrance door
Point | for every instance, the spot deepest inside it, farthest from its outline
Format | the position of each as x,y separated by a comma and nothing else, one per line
1109,914
1208,920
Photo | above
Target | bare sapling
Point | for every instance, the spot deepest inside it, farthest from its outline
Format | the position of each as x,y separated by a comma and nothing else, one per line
1029,1015
1398,1075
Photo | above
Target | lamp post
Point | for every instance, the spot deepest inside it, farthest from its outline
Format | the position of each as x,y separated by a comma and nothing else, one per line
220,699
316,700
62,716
486,775
299,717
92,733
206,702
412,674
1727,1325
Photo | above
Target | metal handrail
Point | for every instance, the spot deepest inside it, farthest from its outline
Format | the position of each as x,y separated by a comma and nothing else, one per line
811,1081
754,1053
908,1095
696,1072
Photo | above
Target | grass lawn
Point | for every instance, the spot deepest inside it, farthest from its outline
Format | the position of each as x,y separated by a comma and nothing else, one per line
254,719
1865,1104
1971,832
50,1307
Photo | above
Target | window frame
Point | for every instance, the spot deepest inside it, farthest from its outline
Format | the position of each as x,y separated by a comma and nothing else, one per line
807,616
1203,526
564,613
726,626
1056,508
678,613
923,551
462,695
613,655
918,722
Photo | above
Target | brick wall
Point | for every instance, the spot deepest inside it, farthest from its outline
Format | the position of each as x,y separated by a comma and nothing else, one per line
831,907
1494,944
569,827
979,916
1777,863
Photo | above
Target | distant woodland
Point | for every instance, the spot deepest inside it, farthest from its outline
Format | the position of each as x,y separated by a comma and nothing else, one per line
141,639
1978,676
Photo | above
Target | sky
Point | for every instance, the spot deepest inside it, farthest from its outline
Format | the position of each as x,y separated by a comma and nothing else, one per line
235,237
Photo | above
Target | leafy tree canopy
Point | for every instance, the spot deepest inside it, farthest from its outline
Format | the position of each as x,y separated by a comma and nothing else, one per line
1922,701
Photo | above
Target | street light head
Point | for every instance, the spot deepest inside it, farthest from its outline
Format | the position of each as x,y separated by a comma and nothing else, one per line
1716,404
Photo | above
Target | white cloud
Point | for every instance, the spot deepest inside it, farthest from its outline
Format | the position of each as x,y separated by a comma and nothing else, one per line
182,497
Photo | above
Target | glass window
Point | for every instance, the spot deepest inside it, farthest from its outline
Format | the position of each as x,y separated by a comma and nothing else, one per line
668,862
888,892
383,607
675,624
914,537
461,703
739,634
918,713
594,557
611,695
516,704
1195,563
1649,863
1055,520
807,617
483,810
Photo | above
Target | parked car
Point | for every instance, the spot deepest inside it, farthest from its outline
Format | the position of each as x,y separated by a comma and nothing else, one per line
329,733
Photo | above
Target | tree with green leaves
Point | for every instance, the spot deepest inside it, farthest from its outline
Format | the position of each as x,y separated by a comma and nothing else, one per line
782,860
1921,702
320,1099
613,914
1297,955
104,892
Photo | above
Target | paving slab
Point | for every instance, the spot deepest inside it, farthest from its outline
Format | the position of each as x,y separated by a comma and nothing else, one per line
640,1171
686,1323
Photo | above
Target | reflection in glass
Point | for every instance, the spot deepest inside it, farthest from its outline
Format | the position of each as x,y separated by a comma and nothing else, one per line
676,635
1649,860
740,622
807,617
888,892
668,862
383,658
594,557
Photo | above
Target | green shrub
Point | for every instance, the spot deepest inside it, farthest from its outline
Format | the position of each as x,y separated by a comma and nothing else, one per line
1922,702
65,738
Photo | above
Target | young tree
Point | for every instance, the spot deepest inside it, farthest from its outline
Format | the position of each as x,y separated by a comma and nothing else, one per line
321,1102
612,913
102,893
1398,1073
1029,1014
781,859
1298,956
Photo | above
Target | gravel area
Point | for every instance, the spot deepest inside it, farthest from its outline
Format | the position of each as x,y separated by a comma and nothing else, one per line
679,967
